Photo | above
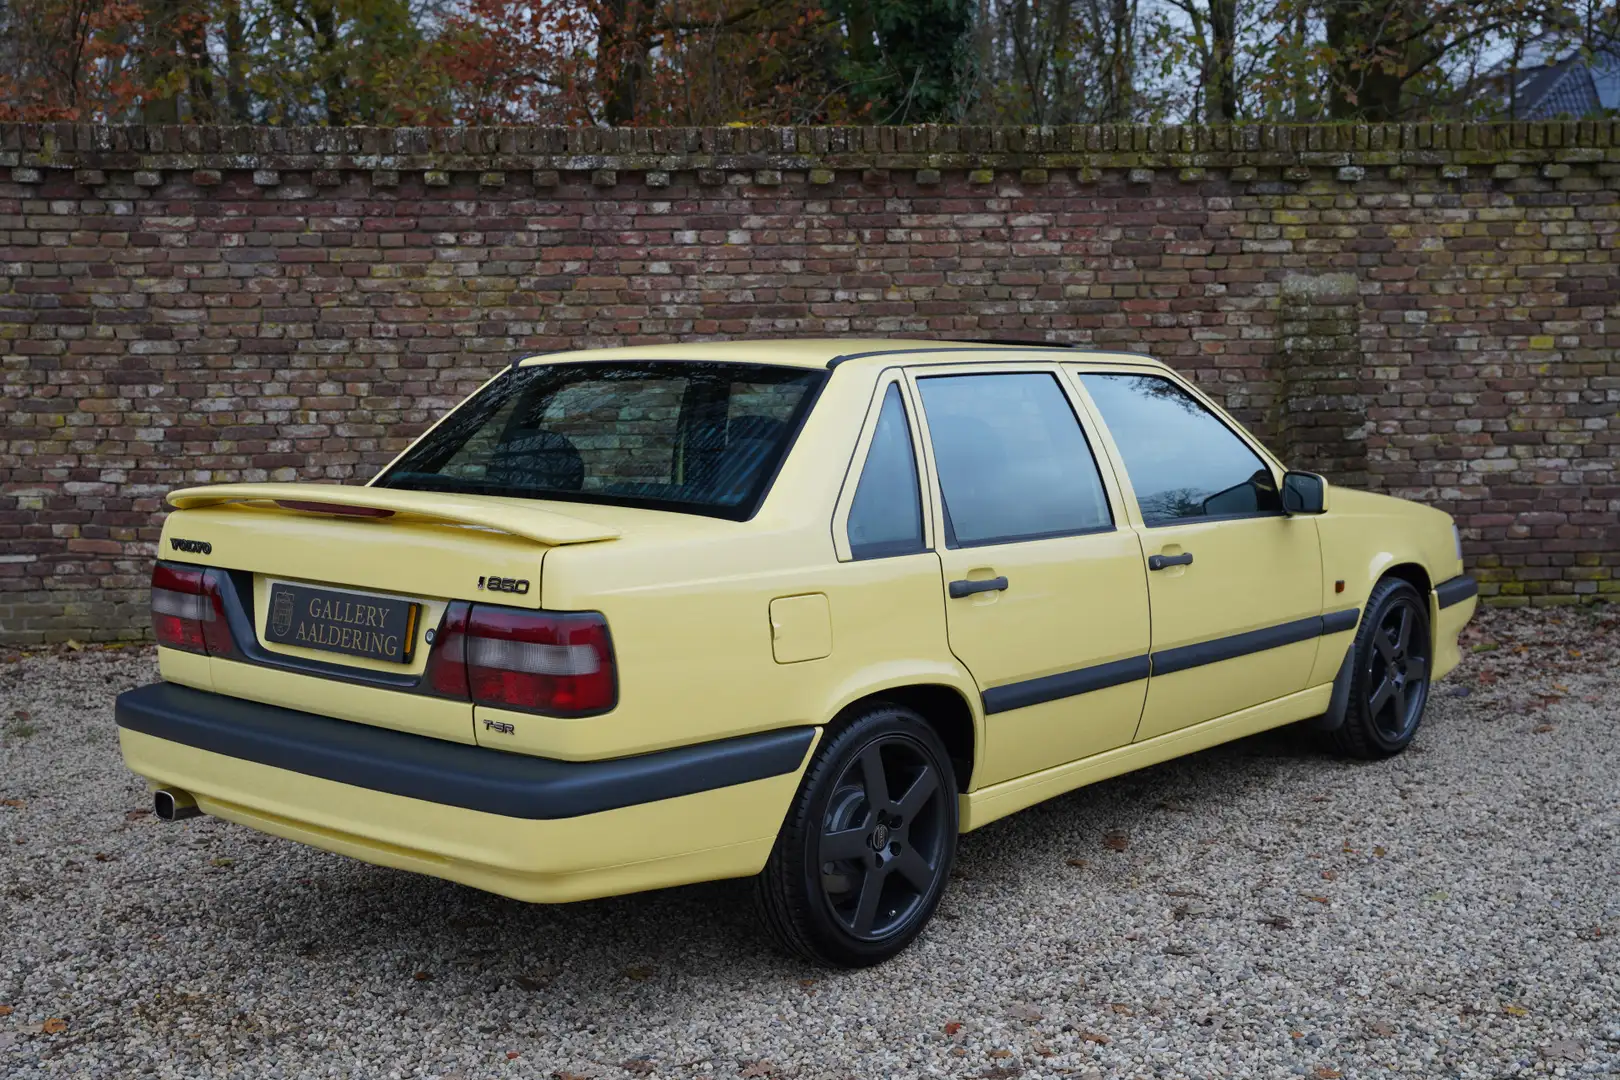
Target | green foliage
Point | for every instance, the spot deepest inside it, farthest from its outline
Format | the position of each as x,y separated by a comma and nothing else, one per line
906,59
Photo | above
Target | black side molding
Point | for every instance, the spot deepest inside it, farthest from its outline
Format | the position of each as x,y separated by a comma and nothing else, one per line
1018,695
1084,680
1456,590
1228,648
452,774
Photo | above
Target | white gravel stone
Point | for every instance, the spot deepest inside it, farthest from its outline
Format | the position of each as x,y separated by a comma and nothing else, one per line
1276,912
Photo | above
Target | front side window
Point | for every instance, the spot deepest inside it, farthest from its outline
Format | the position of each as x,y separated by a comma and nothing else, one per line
1183,462
1012,461
694,436
885,517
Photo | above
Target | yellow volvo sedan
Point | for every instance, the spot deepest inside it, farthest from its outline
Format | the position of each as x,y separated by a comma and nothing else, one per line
797,610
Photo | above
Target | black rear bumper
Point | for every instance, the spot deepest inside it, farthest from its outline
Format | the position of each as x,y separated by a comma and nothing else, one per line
452,774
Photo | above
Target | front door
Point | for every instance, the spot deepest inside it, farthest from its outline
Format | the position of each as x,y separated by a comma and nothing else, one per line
1045,592
1235,584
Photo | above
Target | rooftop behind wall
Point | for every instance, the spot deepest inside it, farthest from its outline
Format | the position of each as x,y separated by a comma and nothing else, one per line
1421,310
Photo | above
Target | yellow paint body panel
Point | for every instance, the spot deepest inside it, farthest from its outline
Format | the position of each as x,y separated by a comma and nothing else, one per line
727,832
726,628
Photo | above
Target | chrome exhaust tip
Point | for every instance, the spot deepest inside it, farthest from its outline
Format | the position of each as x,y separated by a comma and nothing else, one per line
172,804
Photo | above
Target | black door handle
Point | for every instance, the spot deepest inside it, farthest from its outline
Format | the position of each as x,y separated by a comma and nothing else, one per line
968,586
1160,562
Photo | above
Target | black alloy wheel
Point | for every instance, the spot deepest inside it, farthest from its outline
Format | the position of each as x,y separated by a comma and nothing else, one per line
864,855
1393,660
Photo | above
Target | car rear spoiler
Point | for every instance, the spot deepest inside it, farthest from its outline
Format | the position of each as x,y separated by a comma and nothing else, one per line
343,500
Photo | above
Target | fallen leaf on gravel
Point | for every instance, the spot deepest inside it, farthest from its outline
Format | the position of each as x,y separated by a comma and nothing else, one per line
1177,950
15,804
1121,1008
531,984
758,1068
1329,875
1516,1010
1044,1050
1023,1011
1276,922
1325,1073
221,861
135,815
5,1010
102,856
953,1027
422,976
76,646
1095,1037
1438,894
1381,1029
1002,1072
1564,1050
1380,852
641,1067
1485,646
563,1074
1116,841
1001,1053
1078,864
1318,899
638,973
1541,729
53,1025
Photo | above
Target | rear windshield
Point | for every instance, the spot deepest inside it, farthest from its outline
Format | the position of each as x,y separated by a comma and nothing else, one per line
701,437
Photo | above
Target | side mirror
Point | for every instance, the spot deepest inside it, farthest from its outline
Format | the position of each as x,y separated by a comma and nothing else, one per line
1304,493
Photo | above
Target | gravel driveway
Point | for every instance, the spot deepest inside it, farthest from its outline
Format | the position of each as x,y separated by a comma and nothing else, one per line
1256,910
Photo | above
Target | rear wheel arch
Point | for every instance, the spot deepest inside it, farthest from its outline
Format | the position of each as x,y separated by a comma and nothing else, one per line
945,710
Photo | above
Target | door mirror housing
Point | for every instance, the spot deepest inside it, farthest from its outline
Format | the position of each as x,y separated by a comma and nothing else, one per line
1304,493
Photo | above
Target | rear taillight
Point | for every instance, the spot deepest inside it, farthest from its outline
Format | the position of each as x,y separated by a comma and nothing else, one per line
187,610
539,661
446,672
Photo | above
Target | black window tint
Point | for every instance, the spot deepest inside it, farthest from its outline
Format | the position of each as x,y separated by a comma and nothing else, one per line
1182,461
885,517
702,437
1013,463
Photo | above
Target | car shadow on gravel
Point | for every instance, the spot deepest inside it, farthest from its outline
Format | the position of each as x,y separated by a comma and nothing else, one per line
345,912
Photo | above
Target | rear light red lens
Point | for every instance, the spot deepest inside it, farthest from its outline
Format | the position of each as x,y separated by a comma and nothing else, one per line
187,610
540,661
446,673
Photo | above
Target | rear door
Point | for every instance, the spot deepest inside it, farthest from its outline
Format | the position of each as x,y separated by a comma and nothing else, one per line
1045,592
1235,584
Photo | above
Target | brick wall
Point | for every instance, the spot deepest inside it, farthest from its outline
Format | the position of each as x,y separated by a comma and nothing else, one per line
1420,310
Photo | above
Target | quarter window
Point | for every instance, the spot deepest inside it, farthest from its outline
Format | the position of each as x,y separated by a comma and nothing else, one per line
885,517
1012,461
1182,460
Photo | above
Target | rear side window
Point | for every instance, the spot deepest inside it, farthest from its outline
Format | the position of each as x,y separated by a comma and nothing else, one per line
885,517
1012,461
1183,462
701,437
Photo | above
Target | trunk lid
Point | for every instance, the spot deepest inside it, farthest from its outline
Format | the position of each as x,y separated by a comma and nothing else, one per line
359,550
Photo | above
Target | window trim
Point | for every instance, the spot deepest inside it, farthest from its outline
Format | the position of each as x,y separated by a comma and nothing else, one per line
1075,373
1113,495
746,510
857,465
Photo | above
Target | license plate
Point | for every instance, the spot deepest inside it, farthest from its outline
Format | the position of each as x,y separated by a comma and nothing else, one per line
377,627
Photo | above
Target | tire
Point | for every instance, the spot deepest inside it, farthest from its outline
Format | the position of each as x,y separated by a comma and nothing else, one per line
1392,657
863,857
